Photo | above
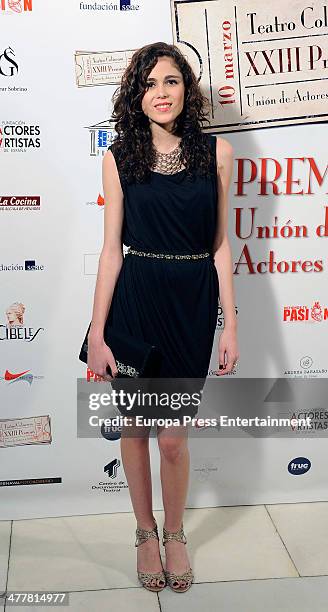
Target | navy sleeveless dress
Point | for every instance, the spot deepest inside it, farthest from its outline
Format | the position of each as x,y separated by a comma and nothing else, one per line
167,302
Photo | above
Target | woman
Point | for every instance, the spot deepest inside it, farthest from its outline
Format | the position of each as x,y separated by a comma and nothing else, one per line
166,192
15,314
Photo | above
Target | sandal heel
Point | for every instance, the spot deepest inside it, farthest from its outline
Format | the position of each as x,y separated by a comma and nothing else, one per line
142,535
172,577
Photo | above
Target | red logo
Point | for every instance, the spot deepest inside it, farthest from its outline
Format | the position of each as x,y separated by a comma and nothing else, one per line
92,377
10,376
18,202
17,6
26,376
302,314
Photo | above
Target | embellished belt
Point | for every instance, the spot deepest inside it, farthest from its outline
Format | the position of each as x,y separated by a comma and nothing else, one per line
167,255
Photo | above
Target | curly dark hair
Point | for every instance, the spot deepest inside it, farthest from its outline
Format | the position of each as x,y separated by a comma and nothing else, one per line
133,147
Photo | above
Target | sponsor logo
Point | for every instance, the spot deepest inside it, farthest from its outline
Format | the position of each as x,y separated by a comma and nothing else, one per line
92,377
23,202
30,481
213,373
207,470
319,420
305,369
9,69
111,468
101,137
299,466
117,5
305,314
111,432
16,6
26,376
15,328
29,265
113,485
18,137
99,202
8,65
317,424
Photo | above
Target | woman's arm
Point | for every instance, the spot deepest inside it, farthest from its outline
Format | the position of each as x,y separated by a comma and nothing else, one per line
228,351
110,263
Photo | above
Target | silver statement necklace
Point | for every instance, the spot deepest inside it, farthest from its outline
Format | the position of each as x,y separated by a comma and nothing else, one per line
168,163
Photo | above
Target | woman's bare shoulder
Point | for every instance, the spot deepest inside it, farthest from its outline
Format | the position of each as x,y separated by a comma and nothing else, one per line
223,146
224,152
110,161
109,157
111,175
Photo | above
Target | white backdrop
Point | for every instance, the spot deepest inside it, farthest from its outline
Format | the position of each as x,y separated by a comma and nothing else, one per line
65,475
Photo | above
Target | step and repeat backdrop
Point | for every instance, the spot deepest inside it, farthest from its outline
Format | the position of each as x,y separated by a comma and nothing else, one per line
264,70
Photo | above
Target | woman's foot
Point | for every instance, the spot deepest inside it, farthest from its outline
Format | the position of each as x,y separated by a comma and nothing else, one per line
177,566
149,563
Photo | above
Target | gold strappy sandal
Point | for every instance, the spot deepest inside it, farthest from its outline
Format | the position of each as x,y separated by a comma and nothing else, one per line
146,578
171,577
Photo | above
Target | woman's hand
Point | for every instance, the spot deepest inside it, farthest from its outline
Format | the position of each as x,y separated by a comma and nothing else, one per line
228,350
99,357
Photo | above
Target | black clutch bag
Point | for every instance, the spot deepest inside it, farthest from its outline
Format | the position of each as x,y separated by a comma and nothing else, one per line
133,357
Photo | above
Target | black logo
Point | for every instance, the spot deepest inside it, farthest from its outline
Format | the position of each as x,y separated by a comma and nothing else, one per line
8,66
112,467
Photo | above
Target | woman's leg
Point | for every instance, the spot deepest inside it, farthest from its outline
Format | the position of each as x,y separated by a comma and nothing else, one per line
136,463
175,464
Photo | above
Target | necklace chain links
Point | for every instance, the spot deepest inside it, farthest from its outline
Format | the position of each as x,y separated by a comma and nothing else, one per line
168,163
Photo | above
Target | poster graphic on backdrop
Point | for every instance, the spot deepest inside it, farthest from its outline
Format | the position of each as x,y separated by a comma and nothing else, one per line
100,68
28,430
260,65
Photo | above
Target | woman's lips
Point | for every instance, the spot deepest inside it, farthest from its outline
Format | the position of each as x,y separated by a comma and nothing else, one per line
164,108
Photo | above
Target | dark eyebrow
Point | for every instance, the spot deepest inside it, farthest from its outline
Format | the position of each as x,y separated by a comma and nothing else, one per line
168,76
